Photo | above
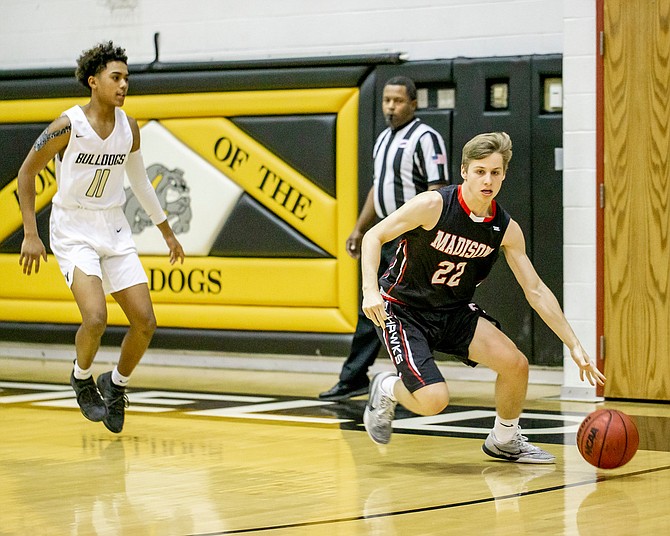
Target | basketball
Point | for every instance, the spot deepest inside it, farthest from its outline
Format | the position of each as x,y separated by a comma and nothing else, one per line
607,438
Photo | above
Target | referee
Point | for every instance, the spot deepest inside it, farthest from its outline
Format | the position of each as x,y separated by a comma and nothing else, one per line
409,158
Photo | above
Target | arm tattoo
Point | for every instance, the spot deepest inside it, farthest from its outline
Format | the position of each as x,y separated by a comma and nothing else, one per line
46,136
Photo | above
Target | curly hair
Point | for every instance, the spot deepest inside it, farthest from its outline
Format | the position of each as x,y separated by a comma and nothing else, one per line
94,60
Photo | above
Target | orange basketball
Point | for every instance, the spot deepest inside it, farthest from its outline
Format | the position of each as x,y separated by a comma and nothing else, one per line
607,438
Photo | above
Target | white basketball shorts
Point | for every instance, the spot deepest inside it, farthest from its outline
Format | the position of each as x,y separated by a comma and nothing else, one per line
99,243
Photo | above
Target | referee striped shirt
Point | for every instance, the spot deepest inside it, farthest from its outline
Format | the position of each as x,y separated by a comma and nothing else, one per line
406,162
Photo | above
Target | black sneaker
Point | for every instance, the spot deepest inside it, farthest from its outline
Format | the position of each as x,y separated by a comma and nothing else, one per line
344,391
115,400
89,400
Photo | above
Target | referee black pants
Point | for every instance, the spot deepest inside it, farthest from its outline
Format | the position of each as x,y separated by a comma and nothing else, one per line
365,344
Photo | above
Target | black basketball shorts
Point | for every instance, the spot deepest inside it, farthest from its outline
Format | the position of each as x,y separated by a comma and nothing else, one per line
411,336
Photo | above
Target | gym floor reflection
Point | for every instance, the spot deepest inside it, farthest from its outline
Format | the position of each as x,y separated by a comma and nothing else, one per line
240,452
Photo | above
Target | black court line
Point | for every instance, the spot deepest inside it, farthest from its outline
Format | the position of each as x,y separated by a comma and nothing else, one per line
349,411
655,436
599,478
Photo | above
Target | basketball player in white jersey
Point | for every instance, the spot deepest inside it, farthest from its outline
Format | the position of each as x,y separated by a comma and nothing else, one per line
95,145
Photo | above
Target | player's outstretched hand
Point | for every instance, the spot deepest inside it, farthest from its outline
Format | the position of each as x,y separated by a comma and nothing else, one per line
587,368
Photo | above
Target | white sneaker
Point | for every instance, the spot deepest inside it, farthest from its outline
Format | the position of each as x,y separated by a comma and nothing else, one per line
379,411
518,449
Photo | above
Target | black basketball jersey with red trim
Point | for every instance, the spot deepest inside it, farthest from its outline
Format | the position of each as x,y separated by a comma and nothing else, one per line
441,268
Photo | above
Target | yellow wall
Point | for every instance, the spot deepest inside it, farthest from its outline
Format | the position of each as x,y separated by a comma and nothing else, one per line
279,294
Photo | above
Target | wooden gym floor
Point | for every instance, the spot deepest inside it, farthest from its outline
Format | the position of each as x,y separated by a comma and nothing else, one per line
209,452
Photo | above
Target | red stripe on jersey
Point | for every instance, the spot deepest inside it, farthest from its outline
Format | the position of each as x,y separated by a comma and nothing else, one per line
390,298
410,362
469,212
402,245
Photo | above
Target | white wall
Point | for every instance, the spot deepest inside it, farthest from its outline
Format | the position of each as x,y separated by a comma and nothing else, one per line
579,184
52,33
47,33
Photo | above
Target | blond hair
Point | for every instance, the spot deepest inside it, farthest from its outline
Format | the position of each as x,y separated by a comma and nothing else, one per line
486,144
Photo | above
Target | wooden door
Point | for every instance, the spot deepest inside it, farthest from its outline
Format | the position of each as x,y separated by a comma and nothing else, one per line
636,119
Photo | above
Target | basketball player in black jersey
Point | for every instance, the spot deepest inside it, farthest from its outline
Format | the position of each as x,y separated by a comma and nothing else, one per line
409,158
449,241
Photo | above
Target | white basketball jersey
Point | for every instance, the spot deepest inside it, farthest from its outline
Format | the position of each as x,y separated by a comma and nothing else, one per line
92,171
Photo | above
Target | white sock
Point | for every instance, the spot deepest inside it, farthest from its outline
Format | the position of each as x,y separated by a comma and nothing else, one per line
387,386
119,379
80,373
505,429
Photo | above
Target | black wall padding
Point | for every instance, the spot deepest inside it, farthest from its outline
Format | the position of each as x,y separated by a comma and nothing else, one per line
532,191
306,142
15,142
426,74
322,77
433,73
547,202
366,137
500,294
195,81
12,244
251,230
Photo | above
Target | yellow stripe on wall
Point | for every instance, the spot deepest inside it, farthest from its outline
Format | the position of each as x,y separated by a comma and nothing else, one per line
300,319
200,280
228,104
347,205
